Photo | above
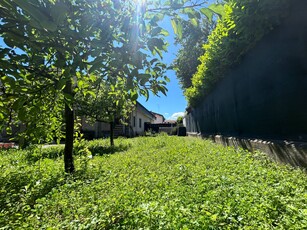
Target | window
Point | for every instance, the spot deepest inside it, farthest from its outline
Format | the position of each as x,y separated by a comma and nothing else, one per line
140,123
134,121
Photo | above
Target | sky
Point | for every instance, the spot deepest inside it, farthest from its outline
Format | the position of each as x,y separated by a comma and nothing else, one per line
174,104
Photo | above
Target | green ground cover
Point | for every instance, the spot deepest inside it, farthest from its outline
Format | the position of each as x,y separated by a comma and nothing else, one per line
150,183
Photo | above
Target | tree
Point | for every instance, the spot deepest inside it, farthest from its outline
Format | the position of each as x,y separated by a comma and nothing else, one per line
195,33
54,46
60,43
110,103
179,120
192,40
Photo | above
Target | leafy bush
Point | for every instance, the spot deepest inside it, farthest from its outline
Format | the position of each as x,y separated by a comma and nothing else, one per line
162,182
244,24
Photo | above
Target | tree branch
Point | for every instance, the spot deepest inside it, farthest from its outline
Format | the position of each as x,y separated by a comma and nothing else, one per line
193,5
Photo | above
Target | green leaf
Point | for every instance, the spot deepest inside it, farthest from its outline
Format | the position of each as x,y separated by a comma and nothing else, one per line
134,95
208,13
218,9
177,27
156,42
58,12
61,83
144,78
37,14
194,22
166,79
22,114
164,32
156,31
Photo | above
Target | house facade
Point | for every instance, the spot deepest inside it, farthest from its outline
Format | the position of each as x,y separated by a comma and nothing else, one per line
139,117
137,121
159,118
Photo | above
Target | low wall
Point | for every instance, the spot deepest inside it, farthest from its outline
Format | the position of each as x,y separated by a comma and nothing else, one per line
265,95
286,152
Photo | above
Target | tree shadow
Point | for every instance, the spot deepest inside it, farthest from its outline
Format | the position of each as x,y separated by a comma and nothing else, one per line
55,152
23,190
106,150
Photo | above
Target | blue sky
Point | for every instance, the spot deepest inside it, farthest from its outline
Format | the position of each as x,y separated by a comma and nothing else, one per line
174,103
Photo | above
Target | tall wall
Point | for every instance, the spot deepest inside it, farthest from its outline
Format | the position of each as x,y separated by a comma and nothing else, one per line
264,96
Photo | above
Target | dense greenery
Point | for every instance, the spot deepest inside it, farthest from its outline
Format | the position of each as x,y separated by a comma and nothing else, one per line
245,22
187,58
110,103
53,48
176,183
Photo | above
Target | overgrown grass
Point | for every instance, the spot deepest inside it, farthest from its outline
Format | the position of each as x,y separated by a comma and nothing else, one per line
150,183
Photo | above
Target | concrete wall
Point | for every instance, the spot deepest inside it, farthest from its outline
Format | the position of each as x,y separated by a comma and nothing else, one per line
264,96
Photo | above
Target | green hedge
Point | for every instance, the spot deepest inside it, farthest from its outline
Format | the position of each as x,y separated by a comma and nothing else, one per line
244,24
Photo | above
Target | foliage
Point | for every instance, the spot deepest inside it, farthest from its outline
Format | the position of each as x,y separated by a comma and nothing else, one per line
245,22
180,120
110,101
54,48
187,58
155,182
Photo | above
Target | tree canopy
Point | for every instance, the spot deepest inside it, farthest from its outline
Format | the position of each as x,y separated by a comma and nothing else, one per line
187,58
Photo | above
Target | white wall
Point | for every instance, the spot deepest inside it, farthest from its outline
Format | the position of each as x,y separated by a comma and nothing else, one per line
137,129
158,120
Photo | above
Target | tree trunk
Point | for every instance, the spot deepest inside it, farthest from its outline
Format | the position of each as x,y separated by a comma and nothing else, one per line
69,132
112,133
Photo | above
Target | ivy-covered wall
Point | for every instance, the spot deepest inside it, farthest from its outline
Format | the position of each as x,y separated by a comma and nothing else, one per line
265,95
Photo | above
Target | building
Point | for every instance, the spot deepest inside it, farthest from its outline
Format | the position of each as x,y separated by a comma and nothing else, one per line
137,121
139,118
159,118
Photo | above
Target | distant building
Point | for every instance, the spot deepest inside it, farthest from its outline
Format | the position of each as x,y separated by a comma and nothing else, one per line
138,119
170,122
159,118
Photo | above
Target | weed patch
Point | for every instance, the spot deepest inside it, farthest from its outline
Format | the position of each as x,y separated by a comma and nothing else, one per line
159,182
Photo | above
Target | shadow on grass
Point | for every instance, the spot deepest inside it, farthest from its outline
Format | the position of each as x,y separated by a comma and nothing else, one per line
105,150
54,152
23,190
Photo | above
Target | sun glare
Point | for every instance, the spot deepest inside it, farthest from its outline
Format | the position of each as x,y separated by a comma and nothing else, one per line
140,2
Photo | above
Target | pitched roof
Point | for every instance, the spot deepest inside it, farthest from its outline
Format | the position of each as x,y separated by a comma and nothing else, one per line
146,111
154,113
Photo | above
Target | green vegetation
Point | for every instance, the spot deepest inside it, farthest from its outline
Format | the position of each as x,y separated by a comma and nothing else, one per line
245,22
187,57
176,183
55,49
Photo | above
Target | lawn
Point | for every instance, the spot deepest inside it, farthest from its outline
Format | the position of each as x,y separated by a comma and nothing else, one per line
159,182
